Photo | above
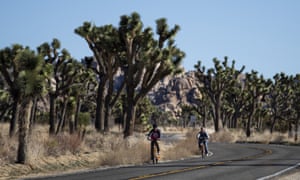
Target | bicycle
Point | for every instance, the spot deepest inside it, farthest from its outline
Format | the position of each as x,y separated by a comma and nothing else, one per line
201,141
202,149
155,156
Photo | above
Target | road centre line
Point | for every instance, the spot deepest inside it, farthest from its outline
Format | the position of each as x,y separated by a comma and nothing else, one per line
264,153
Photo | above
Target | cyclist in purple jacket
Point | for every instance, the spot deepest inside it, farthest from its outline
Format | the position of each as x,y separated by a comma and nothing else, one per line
154,136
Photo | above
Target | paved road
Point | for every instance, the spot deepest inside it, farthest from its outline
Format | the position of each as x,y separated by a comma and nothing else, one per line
229,161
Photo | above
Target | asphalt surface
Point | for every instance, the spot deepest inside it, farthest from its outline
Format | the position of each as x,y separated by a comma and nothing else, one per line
229,161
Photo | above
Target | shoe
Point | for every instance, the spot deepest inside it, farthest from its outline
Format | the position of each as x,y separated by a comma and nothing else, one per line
206,154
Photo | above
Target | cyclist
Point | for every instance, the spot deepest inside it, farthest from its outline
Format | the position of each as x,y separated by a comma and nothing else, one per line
154,136
203,139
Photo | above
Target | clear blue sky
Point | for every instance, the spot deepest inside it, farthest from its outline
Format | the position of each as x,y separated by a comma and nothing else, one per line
263,35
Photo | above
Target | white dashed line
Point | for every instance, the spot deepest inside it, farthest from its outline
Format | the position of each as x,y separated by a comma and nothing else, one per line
279,173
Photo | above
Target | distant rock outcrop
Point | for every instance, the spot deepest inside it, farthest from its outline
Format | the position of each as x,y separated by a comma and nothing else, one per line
171,92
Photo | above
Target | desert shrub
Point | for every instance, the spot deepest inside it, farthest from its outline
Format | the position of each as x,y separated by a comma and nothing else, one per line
123,153
62,143
84,119
225,135
8,145
8,150
183,148
42,118
238,135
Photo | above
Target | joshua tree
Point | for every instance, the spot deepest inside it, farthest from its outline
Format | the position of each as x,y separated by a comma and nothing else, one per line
215,82
105,45
147,60
58,81
31,83
256,88
142,60
10,71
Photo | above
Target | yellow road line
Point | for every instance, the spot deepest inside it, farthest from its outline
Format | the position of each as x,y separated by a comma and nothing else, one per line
169,172
264,153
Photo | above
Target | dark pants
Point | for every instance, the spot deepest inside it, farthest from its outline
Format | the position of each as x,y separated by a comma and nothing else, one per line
154,143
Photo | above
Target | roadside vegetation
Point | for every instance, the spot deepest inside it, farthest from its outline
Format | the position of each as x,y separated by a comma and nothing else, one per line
68,153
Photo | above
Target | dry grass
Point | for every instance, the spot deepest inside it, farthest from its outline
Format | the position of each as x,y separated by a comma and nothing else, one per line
69,152
129,151
7,145
183,148
265,137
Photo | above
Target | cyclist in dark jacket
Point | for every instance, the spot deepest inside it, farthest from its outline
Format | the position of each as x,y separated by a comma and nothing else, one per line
154,136
203,138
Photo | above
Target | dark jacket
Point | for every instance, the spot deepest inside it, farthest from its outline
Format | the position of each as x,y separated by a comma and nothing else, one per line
202,136
154,135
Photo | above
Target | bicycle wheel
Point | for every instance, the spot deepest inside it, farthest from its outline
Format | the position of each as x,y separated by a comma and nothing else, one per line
202,151
156,156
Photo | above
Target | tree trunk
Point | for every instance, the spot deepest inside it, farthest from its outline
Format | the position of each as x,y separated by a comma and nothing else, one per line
296,128
124,117
234,121
78,107
224,119
108,107
33,114
273,122
61,122
22,156
217,119
52,115
248,128
15,117
250,117
130,120
100,108
259,123
107,118
296,133
71,124
3,113
64,115
204,117
290,133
